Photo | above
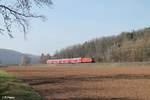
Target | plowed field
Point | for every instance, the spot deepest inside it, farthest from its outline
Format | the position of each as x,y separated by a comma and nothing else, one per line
87,81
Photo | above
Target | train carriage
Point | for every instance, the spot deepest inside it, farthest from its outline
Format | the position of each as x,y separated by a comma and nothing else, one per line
70,60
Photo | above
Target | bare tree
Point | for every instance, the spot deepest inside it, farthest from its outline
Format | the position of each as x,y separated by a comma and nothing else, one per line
44,58
18,12
25,60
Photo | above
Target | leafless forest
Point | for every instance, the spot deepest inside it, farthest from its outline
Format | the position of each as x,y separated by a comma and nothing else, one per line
126,47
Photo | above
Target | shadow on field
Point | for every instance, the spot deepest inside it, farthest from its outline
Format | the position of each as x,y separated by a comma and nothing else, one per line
63,79
66,80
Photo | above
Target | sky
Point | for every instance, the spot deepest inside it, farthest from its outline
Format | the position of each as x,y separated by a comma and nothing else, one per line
71,22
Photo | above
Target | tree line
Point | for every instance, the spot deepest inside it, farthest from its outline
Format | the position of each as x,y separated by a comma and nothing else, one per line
127,47
26,60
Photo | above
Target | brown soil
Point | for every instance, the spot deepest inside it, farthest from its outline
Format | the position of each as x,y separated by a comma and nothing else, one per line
87,82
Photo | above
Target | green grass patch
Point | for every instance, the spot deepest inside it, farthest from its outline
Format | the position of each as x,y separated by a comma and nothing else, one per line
4,74
15,89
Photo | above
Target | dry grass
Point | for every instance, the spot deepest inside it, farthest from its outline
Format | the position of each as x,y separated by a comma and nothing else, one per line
88,81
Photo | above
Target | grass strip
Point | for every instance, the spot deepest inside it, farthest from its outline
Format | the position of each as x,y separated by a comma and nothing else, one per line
11,88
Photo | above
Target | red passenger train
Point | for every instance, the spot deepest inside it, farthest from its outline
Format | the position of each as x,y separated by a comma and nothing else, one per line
70,60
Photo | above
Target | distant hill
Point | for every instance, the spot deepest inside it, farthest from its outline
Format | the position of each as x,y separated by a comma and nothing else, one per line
13,57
